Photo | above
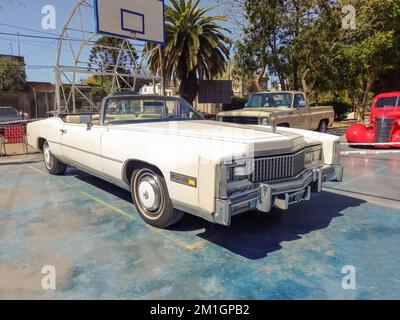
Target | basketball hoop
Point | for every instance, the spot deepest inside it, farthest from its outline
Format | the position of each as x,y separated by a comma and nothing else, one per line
141,20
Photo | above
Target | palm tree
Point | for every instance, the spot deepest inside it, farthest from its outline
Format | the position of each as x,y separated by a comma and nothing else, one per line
196,47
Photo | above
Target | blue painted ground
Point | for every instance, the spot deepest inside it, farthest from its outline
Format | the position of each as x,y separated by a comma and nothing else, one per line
101,249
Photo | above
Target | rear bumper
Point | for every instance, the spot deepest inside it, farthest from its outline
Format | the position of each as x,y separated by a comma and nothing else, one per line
281,194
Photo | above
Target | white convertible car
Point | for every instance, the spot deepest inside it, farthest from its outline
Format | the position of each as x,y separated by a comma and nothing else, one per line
173,161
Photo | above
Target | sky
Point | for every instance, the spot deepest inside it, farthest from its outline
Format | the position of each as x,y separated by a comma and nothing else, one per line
26,19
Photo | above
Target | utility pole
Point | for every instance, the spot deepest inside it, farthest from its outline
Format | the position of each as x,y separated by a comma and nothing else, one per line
163,89
19,46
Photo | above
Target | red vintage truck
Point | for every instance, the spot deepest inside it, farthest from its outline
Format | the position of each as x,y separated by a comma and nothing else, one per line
385,123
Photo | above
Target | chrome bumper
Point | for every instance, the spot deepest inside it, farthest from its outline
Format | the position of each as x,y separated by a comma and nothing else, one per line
280,194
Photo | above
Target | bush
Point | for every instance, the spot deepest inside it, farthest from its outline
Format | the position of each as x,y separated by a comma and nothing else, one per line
341,108
237,103
12,75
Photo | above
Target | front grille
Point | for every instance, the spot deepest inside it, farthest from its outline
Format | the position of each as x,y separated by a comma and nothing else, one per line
241,120
383,130
281,167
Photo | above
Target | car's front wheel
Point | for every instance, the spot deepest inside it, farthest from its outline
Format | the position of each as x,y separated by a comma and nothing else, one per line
52,164
151,198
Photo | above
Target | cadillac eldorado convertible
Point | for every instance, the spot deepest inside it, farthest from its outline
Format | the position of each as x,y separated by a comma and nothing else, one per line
173,161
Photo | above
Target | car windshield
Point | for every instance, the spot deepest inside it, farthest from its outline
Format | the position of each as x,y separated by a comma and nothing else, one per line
8,112
388,102
270,100
138,109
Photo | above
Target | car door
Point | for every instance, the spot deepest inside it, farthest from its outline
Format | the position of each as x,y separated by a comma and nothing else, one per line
81,145
303,110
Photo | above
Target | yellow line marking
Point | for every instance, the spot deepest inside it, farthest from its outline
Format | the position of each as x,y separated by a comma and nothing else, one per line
35,169
196,245
64,184
119,211
176,240
115,209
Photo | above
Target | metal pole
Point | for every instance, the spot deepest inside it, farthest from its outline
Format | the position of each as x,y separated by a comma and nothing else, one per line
19,46
36,104
163,89
59,50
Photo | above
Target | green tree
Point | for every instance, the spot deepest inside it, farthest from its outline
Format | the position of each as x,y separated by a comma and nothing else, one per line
370,50
301,43
270,44
111,54
196,47
12,75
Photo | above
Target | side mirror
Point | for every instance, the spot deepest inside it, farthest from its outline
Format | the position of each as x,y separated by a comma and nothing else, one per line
88,120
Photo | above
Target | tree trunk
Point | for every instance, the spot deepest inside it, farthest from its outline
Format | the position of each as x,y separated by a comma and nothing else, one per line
189,87
258,83
295,75
306,88
363,99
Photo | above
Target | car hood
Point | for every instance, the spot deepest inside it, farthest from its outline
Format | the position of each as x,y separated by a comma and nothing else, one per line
260,139
254,112
4,119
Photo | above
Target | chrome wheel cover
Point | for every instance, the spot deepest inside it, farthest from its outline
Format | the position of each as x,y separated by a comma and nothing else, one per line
149,192
48,158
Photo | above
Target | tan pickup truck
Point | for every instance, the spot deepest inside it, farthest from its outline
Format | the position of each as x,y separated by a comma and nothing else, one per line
282,109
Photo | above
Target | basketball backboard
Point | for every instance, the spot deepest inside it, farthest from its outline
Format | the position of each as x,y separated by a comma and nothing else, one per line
133,19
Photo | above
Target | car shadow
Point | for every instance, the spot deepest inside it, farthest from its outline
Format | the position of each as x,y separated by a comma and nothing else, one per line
100,183
253,235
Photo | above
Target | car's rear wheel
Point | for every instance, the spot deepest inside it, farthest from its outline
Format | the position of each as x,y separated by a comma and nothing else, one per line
52,164
323,126
151,198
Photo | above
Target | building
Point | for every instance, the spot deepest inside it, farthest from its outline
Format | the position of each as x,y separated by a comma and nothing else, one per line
20,59
156,89
35,101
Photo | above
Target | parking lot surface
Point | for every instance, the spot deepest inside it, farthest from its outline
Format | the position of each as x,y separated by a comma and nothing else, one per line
101,249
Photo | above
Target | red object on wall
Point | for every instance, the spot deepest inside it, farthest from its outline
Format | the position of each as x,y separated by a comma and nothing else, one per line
14,134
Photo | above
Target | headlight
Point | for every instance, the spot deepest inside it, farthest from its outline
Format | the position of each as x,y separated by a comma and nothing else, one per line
238,172
313,156
263,121
220,119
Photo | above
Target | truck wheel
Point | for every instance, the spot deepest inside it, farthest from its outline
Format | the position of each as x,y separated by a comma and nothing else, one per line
323,126
151,198
52,164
